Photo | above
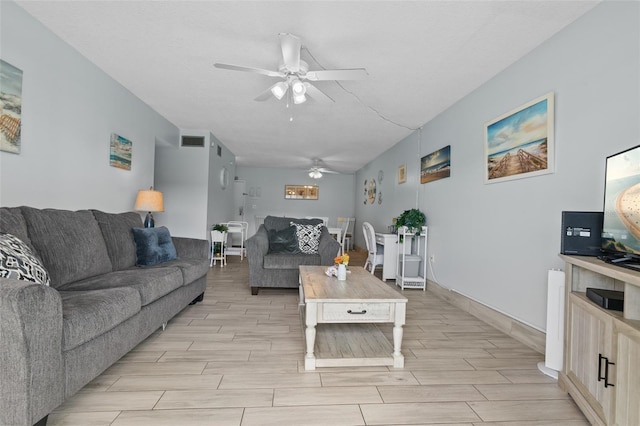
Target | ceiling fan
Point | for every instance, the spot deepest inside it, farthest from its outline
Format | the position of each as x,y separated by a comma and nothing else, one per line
295,75
316,171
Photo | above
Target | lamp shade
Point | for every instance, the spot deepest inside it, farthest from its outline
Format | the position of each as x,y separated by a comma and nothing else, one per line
149,201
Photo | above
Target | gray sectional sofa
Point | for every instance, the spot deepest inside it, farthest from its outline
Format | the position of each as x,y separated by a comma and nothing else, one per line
99,305
280,269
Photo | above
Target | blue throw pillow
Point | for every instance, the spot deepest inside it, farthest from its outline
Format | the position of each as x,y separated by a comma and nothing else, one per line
153,246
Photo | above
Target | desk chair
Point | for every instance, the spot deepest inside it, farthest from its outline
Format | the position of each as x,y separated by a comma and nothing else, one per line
343,235
375,257
348,242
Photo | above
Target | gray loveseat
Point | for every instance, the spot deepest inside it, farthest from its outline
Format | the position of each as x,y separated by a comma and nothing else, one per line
99,305
268,269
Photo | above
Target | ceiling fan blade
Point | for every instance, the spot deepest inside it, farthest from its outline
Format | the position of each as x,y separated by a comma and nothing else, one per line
348,74
321,170
290,51
264,95
317,95
249,69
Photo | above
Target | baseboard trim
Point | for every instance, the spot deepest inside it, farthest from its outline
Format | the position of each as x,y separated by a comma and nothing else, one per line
535,339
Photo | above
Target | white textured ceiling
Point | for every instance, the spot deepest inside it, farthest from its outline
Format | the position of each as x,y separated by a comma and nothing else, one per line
421,57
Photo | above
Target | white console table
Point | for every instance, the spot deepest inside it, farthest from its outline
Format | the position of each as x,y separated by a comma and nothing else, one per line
390,244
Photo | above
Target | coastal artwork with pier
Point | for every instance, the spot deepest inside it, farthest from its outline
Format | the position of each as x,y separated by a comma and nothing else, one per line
520,143
10,107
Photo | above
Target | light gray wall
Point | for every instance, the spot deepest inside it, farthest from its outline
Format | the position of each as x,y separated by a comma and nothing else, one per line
69,110
495,243
189,178
220,206
335,194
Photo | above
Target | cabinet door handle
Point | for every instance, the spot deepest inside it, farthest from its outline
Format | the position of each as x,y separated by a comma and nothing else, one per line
606,373
364,311
600,376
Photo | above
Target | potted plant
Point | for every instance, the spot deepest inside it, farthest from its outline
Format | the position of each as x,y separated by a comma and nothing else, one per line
217,249
220,227
412,219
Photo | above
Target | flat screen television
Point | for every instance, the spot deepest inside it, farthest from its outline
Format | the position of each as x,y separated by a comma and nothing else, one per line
621,224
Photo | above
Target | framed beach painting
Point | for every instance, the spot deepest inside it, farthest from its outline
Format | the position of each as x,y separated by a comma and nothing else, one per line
301,192
520,143
120,155
436,166
402,173
10,107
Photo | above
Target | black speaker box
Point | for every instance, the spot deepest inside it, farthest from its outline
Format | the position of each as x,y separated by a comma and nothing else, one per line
581,233
608,299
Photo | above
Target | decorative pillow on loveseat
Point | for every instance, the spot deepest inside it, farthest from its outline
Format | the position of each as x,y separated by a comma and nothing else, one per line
17,261
284,241
153,246
308,237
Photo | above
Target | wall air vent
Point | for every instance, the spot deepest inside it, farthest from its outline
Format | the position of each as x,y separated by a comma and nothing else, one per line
193,141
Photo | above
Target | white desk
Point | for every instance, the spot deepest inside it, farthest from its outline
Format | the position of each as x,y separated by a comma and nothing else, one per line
390,244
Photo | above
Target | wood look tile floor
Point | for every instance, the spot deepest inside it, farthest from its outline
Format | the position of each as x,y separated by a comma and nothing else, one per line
237,360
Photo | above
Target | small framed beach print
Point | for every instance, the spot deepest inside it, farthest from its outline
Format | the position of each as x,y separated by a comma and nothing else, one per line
120,152
402,173
520,143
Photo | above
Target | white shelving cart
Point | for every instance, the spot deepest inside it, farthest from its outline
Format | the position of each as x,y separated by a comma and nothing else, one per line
411,270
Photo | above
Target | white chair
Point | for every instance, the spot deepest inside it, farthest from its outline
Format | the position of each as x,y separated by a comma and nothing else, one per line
348,242
220,238
236,237
375,256
344,226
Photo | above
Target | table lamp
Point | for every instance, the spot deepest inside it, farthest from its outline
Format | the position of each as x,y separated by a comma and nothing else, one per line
149,201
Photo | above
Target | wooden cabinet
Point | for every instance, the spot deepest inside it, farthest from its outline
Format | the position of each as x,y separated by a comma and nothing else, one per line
602,347
588,349
627,411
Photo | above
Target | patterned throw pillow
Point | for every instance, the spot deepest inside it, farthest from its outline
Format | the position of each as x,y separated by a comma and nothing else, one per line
17,261
308,237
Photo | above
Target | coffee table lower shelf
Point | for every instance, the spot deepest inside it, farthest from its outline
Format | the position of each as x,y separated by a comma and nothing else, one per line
351,345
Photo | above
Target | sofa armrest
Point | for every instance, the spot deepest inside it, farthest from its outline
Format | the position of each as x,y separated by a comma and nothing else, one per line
31,367
257,248
191,247
328,247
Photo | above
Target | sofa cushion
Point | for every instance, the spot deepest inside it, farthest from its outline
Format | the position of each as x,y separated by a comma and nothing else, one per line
12,222
18,261
153,246
118,237
191,268
69,244
308,237
279,223
88,314
284,241
151,283
289,261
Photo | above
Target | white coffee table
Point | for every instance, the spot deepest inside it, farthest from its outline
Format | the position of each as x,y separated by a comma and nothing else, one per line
347,312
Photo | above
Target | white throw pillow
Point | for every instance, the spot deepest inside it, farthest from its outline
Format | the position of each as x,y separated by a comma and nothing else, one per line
17,261
308,237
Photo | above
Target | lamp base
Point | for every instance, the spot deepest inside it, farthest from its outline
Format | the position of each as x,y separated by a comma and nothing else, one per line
148,221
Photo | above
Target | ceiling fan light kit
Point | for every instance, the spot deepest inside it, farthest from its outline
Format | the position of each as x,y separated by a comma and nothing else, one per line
315,174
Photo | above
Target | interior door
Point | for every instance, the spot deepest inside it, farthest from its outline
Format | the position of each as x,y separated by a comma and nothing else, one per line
239,196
